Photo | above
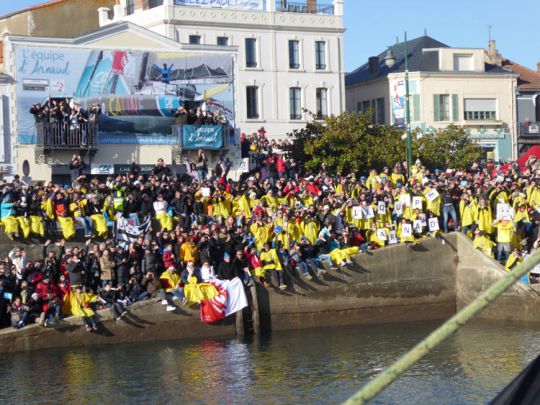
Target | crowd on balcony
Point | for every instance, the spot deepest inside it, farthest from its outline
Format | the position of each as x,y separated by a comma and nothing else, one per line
198,116
60,122
278,226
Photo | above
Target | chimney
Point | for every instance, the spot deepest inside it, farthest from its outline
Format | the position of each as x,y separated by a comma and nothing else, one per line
311,6
494,57
373,65
538,67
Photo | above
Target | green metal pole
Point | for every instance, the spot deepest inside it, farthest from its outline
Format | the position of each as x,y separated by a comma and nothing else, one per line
392,373
408,109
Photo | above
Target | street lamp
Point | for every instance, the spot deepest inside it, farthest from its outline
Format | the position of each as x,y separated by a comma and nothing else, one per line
408,110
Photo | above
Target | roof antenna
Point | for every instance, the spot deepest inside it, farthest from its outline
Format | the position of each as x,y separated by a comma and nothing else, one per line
489,32
425,32
397,39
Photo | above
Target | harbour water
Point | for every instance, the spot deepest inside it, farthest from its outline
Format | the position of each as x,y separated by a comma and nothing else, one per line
322,366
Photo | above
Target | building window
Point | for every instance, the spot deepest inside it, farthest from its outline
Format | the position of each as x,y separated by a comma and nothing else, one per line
294,55
320,55
295,101
478,109
463,63
366,105
251,52
252,102
195,39
222,41
322,103
441,107
380,110
154,3
130,7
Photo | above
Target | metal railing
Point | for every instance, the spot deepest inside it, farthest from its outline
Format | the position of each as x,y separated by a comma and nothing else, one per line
61,135
302,7
531,130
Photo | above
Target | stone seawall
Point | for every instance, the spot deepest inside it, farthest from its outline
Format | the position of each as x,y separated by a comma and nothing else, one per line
396,284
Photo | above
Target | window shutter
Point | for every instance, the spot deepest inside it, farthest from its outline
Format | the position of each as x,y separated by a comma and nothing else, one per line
416,107
455,108
436,112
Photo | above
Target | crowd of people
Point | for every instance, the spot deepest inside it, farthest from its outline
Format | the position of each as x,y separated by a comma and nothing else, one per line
64,123
275,226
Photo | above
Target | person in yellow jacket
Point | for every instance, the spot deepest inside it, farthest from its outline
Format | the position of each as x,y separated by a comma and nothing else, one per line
484,217
189,252
261,232
513,259
373,237
468,211
483,242
505,232
78,303
172,283
270,261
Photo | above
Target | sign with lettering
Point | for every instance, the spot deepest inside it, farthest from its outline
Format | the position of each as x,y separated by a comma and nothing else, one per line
238,4
108,139
432,195
417,226
96,168
417,203
381,208
202,137
392,238
138,92
406,230
398,209
433,224
381,234
357,212
368,210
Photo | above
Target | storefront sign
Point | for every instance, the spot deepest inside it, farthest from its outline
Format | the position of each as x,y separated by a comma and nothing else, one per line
238,4
124,169
105,139
202,137
96,168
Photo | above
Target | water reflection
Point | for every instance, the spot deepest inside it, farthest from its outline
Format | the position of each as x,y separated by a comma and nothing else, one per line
318,366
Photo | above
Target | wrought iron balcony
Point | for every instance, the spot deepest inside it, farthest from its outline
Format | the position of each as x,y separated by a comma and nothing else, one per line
302,7
530,130
66,136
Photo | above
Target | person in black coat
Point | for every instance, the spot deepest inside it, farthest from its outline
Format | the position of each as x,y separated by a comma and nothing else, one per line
123,264
226,269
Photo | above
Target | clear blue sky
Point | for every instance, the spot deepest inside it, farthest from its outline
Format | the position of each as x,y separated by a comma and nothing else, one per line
374,24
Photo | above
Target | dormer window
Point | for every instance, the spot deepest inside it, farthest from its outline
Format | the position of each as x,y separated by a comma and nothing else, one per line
463,63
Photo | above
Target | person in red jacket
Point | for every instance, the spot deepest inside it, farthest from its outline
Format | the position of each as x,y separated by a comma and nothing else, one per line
281,166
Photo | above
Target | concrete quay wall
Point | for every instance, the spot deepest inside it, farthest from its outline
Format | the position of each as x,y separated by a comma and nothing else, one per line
399,283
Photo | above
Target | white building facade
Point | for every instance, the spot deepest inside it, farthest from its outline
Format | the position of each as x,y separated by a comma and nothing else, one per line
446,86
290,55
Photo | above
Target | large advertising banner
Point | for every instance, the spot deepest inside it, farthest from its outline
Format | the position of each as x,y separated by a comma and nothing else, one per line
138,92
397,89
239,4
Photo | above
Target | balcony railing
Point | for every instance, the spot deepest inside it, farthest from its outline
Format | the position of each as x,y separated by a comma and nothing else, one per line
66,136
302,7
530,130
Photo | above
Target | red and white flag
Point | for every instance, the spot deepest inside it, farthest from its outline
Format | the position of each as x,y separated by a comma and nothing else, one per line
232,298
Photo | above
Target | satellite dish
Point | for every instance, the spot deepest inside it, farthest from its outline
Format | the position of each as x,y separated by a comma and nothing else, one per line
26,168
